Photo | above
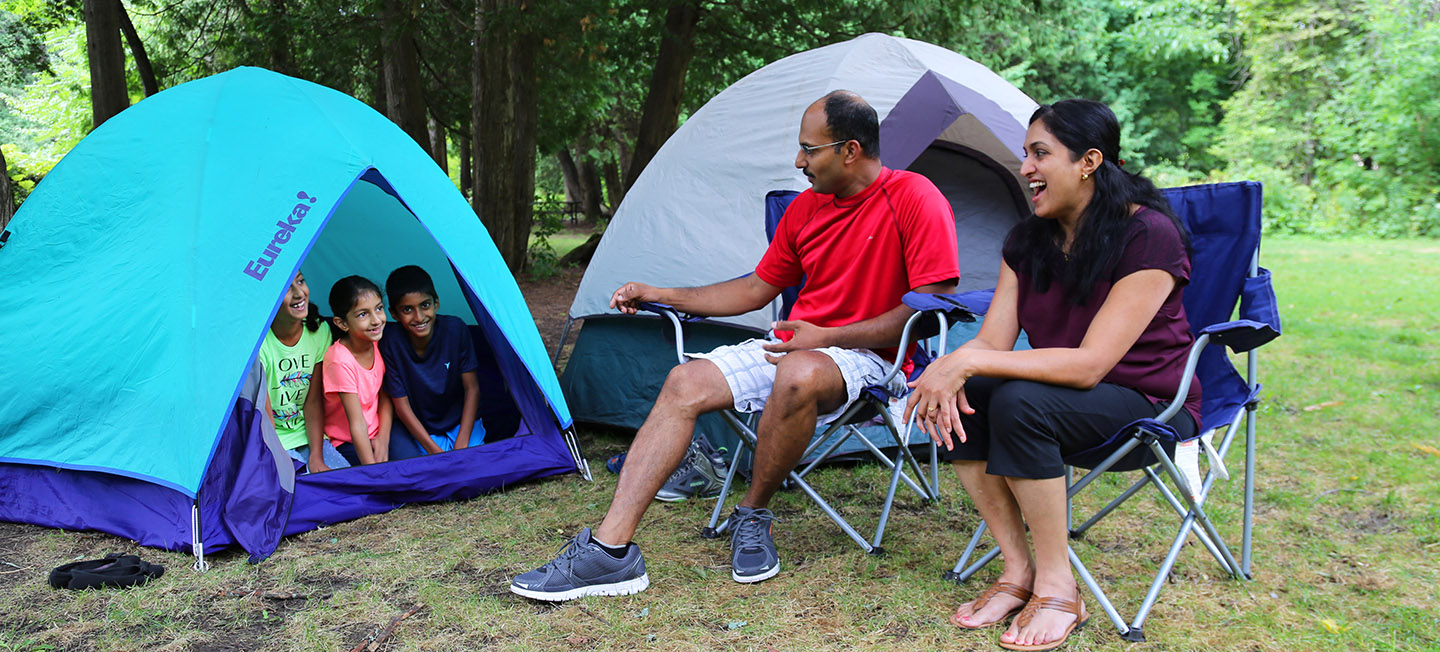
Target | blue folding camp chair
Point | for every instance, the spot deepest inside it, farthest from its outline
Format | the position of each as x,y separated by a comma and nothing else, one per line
1224,224
935,314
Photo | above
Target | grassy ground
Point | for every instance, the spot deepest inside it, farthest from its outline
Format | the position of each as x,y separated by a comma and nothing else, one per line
565,240
1347,532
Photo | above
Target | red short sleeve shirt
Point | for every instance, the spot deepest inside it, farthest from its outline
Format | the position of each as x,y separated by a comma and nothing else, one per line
859,255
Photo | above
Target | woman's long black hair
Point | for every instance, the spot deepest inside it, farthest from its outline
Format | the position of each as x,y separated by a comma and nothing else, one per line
1083,125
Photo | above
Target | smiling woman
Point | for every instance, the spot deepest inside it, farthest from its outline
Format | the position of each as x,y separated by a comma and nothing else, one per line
1094,278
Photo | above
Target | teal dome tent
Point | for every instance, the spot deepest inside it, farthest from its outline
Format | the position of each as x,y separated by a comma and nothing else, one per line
140,278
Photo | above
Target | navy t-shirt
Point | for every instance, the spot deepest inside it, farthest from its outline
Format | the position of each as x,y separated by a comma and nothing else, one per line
1155,364
432,383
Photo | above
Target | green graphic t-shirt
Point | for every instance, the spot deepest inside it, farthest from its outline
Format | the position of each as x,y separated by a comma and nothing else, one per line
288,370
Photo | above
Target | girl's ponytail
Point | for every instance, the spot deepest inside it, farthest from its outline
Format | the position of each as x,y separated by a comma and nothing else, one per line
313,318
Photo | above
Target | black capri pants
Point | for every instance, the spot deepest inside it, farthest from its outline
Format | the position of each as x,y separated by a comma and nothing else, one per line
1025,429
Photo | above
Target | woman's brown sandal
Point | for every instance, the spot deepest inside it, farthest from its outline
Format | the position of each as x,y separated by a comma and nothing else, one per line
1012,590
1074,607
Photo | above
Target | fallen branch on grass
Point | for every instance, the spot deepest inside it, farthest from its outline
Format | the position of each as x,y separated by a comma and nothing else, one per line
373,643
272,595
593,615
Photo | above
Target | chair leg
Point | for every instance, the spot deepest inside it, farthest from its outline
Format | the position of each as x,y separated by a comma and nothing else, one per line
881,457
934,469
1197,511
960,573
1154,592
1126,632
902,444
834,515
1181,511
1069,502
747,440
1249,483
1078,532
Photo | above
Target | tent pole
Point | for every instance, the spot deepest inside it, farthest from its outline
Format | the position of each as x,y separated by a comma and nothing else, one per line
196,545
581,464
564,333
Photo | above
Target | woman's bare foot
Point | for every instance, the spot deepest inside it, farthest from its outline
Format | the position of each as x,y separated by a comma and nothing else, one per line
1001,600
1047,622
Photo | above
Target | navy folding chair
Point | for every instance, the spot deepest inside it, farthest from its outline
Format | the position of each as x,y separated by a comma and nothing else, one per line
935,314
932,319
1224,225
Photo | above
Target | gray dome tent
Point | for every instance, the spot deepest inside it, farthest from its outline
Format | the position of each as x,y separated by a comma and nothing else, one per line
696,214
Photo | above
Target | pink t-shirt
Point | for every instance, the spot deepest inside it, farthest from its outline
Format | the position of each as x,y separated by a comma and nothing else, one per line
344,374
859,255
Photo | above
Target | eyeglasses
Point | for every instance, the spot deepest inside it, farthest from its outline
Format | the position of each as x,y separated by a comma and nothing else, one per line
810,151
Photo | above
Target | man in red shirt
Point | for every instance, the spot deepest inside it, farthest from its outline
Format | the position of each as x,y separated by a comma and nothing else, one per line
861,237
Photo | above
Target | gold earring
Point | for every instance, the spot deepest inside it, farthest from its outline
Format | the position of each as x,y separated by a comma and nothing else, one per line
1084,176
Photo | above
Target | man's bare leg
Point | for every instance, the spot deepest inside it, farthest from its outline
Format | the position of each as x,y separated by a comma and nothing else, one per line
807,384
691,389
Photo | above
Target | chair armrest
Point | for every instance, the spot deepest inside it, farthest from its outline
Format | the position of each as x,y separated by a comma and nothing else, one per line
1240,335
959,307
954,307
676,319
664,309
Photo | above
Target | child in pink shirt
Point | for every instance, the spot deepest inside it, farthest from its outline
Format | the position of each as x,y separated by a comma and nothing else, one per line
357,410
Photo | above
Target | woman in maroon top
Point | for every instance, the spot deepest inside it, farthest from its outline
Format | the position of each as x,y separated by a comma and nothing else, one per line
1094,279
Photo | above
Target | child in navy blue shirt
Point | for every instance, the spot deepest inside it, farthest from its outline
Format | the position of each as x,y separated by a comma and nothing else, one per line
430,369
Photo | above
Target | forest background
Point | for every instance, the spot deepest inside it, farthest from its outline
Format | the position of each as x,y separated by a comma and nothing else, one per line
529,104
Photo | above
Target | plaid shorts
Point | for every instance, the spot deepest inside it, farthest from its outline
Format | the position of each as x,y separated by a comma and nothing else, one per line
751,377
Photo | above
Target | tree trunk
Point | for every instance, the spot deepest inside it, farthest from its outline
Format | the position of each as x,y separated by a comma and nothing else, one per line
277,38
7,194
612,185
667,86
404,103
570,172
437,145
591,199
377,89
467,179
505,127
137,50
108,95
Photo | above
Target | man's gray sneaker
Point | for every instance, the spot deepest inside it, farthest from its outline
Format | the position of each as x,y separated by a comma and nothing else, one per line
582,568
752,545
697,475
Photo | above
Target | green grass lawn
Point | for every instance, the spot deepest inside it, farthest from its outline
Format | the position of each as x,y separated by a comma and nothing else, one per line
563,241
1347,534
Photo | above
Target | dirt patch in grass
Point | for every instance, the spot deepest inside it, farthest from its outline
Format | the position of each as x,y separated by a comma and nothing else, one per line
322,582
238,640
493,582
18,559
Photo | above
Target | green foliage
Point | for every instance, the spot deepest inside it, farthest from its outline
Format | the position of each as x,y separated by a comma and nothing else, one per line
51,113
549,221
22,51
1329,103
1338,100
